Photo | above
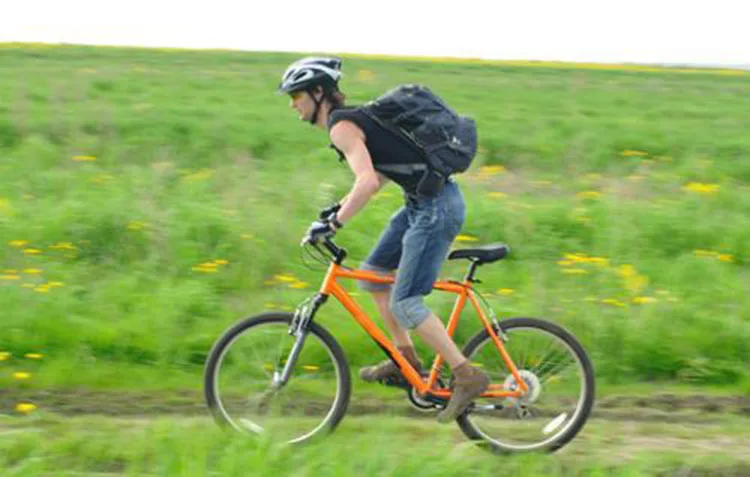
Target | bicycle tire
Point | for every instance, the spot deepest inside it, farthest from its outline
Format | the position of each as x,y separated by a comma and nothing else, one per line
586,402
223,343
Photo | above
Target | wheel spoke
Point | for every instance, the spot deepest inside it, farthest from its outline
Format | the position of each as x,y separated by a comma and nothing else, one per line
241,376
559,381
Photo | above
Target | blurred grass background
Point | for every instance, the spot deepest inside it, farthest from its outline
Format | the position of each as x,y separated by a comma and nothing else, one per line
150,198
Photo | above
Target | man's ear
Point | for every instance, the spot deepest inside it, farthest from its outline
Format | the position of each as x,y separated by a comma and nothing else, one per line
318,93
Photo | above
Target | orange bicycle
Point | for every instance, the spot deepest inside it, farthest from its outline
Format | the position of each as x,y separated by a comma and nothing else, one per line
284,376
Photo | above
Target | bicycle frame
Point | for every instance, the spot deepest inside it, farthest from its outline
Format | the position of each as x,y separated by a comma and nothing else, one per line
464,291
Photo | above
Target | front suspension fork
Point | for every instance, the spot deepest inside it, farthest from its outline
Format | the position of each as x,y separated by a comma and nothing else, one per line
299,328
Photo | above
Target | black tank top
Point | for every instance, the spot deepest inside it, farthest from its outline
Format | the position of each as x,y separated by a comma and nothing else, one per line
393,156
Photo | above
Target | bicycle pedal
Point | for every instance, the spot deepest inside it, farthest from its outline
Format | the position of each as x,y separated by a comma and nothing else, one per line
396,382
400,381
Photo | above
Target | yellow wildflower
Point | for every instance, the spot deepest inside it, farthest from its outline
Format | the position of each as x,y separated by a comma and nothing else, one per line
588,194
631,153
221,262
202,174
636,283
56,284
32,271
18,243
20,375
84,158
701,188
42,289
284,278
63,246
626,270
574,271
31,251
491,170
725,257
4,355
33,355
642,300
466,238
270,306
25,407
506,291
10,277
576,257
704,253
602,262
365,75
135,225
205,268
496,195
613,302
309,367
299,285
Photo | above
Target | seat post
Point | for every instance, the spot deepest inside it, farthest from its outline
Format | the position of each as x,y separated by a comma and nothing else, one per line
472,269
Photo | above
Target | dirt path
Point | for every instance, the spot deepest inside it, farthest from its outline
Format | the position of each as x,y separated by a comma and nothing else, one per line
695,408
707,435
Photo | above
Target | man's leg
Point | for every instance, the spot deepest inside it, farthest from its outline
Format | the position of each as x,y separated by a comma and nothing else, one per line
401,339
425,247
433,332
384,258
399,334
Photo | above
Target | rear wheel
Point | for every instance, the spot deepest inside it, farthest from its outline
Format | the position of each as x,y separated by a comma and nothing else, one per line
241,380
560,379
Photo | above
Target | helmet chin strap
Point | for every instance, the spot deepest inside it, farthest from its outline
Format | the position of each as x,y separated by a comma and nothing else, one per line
316,111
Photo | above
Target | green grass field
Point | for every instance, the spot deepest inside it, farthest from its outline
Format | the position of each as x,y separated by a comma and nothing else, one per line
151,198
367,446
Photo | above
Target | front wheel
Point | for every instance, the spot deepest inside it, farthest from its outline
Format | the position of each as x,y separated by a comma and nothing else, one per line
242,380
560,394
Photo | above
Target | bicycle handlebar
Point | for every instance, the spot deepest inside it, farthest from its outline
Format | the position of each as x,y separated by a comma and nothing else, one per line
339,253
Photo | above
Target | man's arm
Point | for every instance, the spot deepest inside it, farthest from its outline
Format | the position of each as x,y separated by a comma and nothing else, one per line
350,140
383,180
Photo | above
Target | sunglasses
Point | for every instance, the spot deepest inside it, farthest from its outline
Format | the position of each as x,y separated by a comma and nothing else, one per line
295,95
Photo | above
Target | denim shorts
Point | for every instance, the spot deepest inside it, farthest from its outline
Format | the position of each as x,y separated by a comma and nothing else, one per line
415,244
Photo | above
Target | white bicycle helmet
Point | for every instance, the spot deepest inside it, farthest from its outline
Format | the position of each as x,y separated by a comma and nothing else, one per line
310,72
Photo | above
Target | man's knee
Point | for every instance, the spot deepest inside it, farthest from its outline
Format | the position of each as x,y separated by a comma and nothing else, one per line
410,312
372,287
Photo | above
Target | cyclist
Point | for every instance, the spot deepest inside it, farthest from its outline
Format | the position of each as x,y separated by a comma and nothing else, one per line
414,244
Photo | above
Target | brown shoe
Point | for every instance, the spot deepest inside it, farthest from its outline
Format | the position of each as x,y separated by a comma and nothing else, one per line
387,372
470,382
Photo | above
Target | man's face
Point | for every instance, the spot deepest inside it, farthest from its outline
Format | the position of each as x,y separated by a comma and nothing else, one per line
303,103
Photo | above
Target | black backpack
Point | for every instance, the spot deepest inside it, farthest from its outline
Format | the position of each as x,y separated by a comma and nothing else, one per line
447,140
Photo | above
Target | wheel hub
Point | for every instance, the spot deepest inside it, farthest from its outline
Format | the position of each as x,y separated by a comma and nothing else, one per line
532,382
